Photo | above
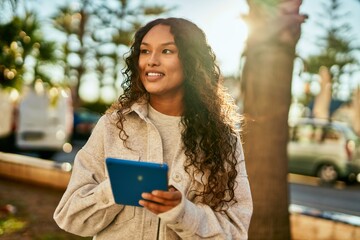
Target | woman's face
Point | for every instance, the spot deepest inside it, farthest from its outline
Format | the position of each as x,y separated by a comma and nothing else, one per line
161,71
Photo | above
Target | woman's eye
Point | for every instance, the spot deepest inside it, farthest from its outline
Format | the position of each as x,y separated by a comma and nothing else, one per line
144,51
167,51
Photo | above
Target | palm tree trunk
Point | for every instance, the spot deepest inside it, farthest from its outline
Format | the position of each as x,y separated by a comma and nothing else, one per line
267,76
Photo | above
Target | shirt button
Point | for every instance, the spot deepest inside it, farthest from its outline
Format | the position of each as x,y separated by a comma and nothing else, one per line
177,177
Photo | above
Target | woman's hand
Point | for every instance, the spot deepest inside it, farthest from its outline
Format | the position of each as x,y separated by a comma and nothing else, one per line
161,201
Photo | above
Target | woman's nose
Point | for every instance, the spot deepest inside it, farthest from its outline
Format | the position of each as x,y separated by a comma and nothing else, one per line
153,60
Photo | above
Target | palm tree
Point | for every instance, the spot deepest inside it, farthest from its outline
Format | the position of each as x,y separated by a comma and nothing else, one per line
267,75
22,40
337,48
101,32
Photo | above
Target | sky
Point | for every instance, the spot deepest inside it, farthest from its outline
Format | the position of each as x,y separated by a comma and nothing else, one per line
221,21
226,31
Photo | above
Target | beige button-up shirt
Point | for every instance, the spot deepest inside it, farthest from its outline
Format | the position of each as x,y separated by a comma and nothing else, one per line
87,207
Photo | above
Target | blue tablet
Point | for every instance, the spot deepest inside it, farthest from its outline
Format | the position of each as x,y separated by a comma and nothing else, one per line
129,179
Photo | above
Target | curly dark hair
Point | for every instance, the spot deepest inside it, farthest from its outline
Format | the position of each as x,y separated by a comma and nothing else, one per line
209,117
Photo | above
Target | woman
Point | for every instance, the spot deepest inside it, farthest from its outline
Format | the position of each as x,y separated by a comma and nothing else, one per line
173,110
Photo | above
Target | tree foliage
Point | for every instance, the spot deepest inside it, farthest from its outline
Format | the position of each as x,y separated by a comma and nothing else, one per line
91,40
22,41
337,48
97,34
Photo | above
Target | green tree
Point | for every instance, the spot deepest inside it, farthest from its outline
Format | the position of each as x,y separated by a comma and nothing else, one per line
337,51
267,76
97,35
22,42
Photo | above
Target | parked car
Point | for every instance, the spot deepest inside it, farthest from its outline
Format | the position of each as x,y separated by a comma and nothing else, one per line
84,122
326,149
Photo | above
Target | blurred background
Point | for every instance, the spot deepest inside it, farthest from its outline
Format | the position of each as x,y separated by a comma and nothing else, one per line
61,67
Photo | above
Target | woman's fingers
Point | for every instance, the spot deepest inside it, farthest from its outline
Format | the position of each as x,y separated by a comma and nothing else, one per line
160,201
170,195
164,198
155,207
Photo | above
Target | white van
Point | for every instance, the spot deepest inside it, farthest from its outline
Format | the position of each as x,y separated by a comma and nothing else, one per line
43,122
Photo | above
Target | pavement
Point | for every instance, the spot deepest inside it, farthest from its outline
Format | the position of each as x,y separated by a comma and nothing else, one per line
304,227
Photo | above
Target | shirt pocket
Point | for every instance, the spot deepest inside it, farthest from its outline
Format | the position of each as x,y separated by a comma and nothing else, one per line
125,215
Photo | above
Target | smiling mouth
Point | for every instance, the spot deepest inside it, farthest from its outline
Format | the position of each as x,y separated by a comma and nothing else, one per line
154,74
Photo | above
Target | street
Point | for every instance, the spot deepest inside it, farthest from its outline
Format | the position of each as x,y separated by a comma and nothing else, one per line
326,198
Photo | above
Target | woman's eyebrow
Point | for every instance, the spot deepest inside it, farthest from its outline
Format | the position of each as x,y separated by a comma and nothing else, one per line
163,44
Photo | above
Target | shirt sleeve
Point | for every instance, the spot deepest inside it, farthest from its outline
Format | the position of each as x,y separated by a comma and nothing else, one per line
199,221
87,206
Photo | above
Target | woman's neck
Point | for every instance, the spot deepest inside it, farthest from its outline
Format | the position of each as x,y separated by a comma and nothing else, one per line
171,107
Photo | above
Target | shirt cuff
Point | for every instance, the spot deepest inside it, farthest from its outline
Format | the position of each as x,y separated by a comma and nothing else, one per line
184,218
105,194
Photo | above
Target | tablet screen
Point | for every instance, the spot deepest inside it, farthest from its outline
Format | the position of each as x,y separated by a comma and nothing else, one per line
129,179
